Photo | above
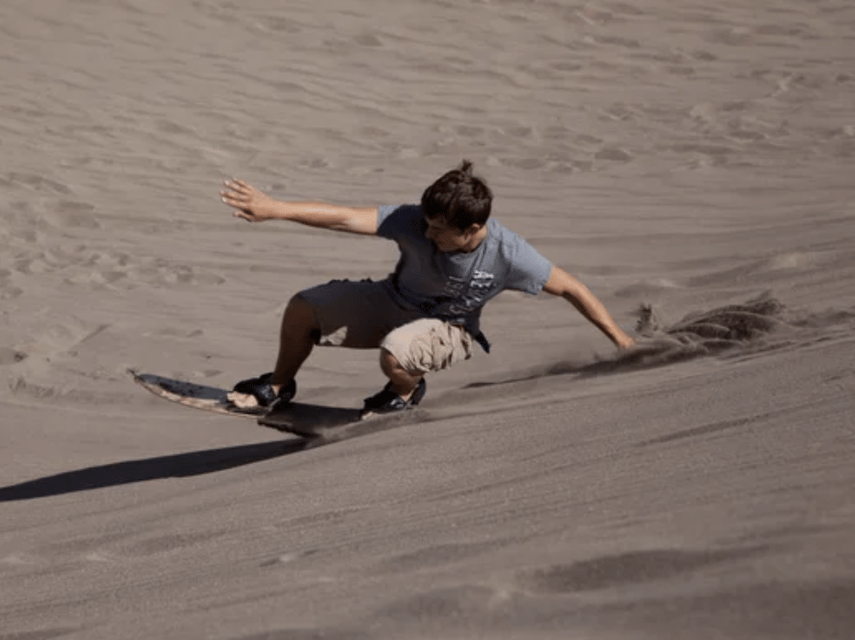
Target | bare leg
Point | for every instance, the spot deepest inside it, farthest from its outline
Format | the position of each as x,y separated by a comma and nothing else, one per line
403,382
296,340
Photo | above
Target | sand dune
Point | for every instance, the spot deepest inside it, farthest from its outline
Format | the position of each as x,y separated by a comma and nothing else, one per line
690,162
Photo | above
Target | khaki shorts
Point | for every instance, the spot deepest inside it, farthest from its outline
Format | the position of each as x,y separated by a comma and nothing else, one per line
363,315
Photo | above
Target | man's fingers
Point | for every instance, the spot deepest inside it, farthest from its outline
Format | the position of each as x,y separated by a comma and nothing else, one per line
237,185
230,197
236,197
231,202
235,192
240,195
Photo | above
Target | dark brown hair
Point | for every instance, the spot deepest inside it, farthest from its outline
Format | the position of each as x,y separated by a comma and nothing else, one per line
458,198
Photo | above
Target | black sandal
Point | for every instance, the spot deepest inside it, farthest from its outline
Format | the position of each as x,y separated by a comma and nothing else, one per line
261,389
387,400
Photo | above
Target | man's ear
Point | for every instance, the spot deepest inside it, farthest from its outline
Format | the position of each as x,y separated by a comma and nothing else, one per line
473,229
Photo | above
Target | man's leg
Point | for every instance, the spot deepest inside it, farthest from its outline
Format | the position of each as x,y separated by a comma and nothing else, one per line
339,313
411,350
403,382
297,337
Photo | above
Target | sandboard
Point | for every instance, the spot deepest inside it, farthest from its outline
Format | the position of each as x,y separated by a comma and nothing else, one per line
191,394
332,424
312,421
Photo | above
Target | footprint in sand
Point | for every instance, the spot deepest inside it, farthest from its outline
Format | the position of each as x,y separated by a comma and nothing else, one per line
11,356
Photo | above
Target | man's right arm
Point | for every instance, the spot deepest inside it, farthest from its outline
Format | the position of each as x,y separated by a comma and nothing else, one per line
255,206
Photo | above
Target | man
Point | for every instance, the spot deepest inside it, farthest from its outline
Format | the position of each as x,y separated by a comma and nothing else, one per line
425,316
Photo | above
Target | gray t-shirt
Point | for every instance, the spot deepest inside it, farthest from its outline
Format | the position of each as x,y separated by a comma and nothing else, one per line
455,286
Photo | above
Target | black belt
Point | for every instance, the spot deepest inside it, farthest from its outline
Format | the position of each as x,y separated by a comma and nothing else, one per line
482,340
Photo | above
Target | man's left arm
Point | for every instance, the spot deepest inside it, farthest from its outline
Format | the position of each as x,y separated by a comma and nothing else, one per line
562,284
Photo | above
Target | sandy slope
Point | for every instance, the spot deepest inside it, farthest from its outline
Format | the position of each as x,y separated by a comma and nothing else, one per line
681,157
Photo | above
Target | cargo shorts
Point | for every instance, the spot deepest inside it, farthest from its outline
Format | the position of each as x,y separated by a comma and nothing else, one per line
363,315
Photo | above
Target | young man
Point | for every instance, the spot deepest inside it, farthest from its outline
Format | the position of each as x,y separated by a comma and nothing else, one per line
425,316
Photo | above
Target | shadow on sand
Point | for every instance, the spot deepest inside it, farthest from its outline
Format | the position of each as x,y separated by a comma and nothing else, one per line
175,466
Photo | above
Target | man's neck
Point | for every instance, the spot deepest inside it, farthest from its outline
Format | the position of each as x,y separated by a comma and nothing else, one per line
476,240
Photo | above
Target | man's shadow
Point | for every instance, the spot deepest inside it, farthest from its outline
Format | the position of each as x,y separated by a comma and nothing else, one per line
175,466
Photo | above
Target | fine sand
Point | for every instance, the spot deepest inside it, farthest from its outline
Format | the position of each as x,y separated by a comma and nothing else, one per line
691,161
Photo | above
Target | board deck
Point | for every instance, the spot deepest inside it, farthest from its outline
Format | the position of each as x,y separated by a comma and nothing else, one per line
312,421
191,394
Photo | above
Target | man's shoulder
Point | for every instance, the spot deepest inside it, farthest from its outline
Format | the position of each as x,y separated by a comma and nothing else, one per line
499,229
506,241
515,251
396,219
522,267
399,210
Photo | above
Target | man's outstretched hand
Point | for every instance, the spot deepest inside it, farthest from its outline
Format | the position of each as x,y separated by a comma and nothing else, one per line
625,343
249,203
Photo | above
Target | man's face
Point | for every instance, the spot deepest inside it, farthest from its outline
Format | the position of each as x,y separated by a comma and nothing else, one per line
446,237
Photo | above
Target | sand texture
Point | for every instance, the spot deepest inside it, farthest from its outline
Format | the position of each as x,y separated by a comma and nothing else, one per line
692,162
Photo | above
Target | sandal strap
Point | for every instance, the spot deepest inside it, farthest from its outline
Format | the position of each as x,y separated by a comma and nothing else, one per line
263,392
388,400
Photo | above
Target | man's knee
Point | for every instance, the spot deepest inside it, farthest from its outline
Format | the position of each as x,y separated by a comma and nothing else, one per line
388,362
300,313
390,365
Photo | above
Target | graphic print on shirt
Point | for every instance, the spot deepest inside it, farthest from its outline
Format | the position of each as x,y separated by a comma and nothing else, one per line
468,300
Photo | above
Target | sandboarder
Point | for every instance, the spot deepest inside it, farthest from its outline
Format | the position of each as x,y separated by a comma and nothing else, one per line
425,315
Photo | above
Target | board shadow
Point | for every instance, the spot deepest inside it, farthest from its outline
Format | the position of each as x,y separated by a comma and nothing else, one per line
181,465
